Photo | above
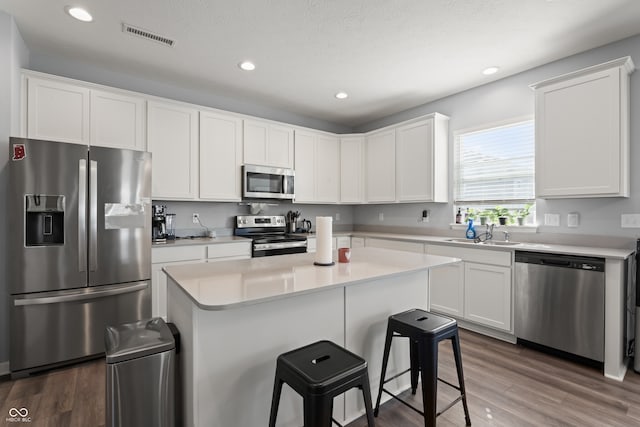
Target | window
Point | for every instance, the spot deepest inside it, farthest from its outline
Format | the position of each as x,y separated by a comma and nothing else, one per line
494,168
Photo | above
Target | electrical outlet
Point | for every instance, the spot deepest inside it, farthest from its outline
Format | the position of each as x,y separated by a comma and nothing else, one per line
552,220
380,216
196,218
630,221
573,219
425,215
338,216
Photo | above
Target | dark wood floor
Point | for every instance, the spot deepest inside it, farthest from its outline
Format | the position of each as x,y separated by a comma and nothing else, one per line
507,385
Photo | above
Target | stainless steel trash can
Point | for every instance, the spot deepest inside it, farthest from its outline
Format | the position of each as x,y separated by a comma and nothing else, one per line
140,374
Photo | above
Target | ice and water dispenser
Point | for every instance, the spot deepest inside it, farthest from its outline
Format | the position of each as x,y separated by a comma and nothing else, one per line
44,220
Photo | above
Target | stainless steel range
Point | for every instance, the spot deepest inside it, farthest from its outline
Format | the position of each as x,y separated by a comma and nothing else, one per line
269,235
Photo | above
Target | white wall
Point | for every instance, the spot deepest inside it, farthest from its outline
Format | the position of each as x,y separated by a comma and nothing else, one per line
509,98
14,56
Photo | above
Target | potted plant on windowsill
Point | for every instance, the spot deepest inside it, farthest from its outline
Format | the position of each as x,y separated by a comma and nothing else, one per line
502,214
486,216
521,214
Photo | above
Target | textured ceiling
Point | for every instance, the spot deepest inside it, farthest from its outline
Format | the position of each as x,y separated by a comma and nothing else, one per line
389,55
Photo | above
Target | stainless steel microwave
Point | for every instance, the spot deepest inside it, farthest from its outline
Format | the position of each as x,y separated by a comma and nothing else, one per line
264,182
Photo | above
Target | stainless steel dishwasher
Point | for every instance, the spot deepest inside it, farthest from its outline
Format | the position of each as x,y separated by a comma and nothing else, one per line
559,302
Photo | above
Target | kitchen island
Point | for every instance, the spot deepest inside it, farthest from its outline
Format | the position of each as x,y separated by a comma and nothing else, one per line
236,317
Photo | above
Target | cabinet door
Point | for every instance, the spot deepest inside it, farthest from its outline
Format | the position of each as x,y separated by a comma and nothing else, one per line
57,111
487,295
381,167
220,157
579,123
414,162
173,141
357,242
280,146
268,144
352,170
446,289
159,287
327,169
305,154
117,120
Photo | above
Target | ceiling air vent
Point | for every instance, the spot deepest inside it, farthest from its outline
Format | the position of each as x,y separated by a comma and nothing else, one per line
129,29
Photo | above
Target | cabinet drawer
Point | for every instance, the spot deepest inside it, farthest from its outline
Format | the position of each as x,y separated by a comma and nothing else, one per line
483,256
175,254
226,250
343,242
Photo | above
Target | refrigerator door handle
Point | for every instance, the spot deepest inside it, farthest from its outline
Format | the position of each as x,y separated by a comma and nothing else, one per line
93,215
83,296
82,215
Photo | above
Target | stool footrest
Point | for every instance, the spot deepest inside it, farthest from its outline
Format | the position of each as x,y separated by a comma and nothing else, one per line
403,402
396,376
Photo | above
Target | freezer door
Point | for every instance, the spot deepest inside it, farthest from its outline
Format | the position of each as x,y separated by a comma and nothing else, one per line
119,224
57,327
46,239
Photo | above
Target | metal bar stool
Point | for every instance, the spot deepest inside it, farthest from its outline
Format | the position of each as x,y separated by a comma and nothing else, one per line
424,330
319,372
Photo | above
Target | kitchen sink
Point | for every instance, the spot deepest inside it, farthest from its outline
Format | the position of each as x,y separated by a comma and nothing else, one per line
489,243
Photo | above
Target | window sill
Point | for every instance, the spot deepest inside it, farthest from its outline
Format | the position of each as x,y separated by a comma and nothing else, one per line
509,228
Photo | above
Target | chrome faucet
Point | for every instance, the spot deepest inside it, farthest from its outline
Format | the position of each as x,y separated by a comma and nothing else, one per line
488,234
506,236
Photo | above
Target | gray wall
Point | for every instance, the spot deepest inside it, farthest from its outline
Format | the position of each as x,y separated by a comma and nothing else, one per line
14,56
144,83
511,98
220,216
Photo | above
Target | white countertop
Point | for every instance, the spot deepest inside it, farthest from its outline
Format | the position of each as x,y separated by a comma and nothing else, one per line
224,285
593,251
535,247
199,241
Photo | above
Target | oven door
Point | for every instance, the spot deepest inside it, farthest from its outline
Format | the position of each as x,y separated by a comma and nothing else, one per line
263,182
283,248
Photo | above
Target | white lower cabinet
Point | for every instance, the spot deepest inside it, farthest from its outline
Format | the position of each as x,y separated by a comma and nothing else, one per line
357,242
477,290
446,289
487,295
311,244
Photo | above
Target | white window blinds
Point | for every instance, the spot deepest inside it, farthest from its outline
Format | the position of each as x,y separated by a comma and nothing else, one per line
495,165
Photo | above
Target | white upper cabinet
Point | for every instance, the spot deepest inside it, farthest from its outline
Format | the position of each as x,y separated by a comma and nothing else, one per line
173,141
352,169
268,144
117,120
57,111
62,111
317,165
220,157
421,160
582,132
380,166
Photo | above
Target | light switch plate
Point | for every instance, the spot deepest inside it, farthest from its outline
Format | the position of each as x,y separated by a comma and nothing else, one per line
630,221
552,220
573,219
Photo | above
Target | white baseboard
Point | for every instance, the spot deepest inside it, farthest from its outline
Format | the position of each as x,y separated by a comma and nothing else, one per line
4,368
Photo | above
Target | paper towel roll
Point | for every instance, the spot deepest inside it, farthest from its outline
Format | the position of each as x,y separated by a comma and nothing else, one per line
324,236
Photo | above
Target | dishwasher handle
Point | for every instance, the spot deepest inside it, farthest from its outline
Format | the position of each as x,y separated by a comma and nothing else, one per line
560,260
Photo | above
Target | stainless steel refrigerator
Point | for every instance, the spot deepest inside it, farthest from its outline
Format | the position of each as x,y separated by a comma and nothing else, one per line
79,247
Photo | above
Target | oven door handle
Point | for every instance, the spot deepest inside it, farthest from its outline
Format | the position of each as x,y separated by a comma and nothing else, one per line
267,246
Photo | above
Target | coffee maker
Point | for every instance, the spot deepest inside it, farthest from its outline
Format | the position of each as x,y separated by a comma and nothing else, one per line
159,224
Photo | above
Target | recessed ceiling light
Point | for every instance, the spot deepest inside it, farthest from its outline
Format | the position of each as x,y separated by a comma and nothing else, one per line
79,13
490,70
342,95
247,65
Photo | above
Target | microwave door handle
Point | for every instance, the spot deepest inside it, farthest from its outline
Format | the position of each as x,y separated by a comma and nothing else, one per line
82,215
285,185
93,215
